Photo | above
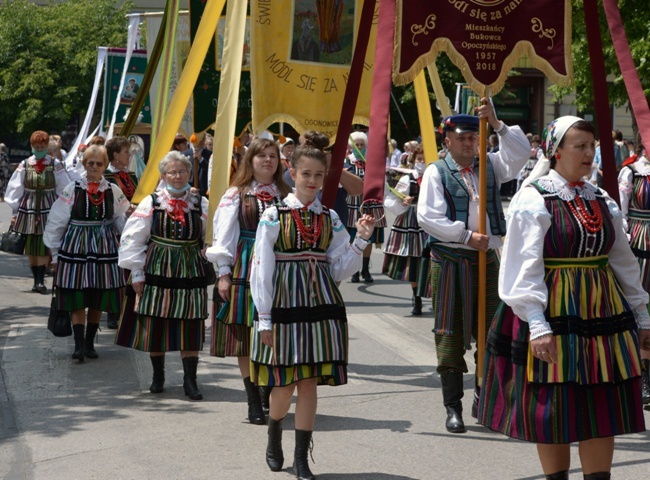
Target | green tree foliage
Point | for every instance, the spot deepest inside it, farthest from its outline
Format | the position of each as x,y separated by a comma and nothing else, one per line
48,56
636,21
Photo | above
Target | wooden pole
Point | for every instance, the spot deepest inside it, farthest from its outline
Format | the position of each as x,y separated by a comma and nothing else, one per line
482,257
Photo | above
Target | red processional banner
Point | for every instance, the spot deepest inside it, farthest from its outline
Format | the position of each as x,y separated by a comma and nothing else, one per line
484,38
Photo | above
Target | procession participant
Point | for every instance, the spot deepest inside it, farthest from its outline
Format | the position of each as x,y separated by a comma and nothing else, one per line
358,143
257,185
562,355
301,338
117,173
83,238
448,212
161,244
406,240
31,191
286,152
634,192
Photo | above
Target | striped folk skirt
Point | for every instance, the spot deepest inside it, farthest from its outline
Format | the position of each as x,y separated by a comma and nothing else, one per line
232,321
170,315
593,391
404,247
639,228
87,275
31,218
309,326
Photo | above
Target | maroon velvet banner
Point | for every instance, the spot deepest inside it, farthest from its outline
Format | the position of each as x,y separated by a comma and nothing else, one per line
484,38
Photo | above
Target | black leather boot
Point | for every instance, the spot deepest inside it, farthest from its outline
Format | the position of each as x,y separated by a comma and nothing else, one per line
78,332
365,270
34,268
255,412
274,455
112,320
477,395
190,364
301,460
40,277
417,303
158,381
598,476
265,393
645,376
355,278
452,394
89,343
564,475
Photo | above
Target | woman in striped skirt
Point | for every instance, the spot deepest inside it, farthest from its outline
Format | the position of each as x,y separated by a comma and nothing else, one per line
82,235
301,339
403,252
634,191
32,190
162,245
257,185
562,357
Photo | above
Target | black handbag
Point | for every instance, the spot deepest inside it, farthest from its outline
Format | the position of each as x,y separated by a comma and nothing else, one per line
13,242
59,322
208,270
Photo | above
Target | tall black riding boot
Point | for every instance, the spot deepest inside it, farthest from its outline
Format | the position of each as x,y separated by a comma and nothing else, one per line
265,393
274,455
34,269
365,270
301,460
158,381
89,344
452,395
190,364
78,331
40,277
563,475
255,412
417,303
477,395
598,476
645,375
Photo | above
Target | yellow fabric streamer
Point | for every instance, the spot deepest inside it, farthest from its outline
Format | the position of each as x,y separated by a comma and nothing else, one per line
443,103
182,95
426,119
233,52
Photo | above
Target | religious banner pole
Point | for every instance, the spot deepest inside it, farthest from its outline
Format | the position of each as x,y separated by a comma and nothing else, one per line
482,229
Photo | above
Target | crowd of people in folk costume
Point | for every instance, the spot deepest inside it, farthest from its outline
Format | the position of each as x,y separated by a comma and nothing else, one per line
568,329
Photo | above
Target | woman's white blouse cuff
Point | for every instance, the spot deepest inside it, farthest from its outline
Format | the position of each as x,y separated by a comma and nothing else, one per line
224,270
643,317
538,326
359,244
264,323
137,276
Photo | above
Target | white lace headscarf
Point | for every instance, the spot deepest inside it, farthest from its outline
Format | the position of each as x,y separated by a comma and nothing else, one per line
551,138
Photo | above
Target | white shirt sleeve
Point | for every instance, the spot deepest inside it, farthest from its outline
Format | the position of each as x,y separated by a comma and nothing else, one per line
61,176
120,202
263,268
58,219
205,205
623,262
521,274
625,185
16,188
514,150
133,244
344,258
432,210
226,232
392,202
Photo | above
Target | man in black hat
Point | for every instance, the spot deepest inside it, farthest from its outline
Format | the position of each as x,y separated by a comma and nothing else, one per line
448,212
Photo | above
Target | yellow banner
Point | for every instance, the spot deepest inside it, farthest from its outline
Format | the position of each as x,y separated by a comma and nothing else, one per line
425,116
302,51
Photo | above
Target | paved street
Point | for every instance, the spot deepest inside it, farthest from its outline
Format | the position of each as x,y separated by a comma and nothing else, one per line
97,420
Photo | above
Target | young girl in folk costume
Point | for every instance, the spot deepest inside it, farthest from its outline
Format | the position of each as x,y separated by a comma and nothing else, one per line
161,245
301,338
358,144
257,185
32,190
403,252
84,240
634,190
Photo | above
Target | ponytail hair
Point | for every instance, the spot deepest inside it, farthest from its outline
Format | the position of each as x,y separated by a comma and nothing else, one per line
312,147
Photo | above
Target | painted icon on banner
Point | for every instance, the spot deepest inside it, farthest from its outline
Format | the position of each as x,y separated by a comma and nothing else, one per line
131,87
322,31
246,59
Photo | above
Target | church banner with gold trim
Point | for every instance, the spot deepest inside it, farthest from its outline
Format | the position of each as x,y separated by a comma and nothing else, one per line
484,38
302,51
